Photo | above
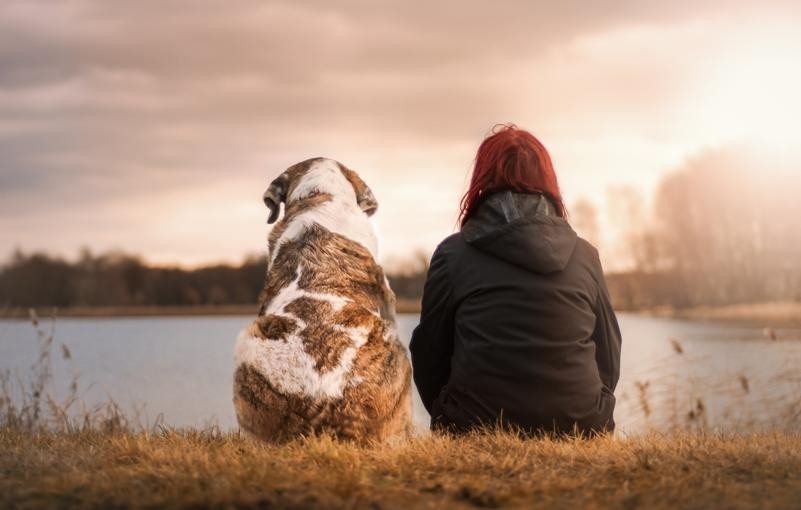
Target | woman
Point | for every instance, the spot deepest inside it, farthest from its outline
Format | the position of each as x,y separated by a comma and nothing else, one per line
516,327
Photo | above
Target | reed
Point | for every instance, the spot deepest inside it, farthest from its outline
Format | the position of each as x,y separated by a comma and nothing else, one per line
28,402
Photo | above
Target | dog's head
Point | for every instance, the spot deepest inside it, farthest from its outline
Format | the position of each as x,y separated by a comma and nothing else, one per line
318,176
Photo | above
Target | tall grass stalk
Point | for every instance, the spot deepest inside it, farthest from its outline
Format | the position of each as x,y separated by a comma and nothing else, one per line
29,403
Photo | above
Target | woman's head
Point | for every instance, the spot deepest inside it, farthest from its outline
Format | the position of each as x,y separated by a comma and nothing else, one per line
511,159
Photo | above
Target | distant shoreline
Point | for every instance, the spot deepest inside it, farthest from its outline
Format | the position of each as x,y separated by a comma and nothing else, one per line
778,314
783,313
403,306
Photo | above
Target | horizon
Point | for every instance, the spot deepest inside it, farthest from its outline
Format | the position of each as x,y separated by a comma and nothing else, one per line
162,146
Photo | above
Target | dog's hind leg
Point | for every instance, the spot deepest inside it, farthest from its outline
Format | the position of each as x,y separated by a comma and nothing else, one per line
260,410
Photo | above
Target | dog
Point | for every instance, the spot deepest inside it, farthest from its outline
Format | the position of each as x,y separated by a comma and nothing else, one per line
323,355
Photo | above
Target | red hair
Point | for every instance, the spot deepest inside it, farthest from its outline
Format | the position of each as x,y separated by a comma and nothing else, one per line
511,158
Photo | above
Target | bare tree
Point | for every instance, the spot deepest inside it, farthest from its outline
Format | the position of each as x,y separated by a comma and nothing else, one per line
635,240
729,230
584,218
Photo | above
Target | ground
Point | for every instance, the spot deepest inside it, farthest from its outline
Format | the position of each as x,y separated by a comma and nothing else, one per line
207,469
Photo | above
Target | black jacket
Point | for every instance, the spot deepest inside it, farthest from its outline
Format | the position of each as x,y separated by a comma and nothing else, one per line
516,325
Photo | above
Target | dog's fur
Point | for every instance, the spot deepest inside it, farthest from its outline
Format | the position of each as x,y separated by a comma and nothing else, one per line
323,356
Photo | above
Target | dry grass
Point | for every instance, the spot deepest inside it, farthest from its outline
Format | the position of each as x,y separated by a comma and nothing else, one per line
29,403
207,469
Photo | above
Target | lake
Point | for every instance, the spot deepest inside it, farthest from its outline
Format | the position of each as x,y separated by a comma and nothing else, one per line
674,372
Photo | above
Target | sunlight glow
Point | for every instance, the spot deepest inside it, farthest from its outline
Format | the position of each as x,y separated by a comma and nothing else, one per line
752,95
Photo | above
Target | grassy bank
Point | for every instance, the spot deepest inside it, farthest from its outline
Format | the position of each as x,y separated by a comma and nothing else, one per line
132,311
774,314
403,306
194,469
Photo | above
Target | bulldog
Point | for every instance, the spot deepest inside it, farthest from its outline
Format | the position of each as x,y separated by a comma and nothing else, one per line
323,355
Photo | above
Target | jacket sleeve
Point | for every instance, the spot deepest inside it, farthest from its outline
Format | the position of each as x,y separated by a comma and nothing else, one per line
607,338
432,341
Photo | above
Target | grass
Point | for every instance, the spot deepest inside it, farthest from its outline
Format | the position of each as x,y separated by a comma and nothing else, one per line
29,404
188,468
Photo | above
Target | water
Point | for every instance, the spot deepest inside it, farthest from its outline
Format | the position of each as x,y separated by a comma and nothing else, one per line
181,368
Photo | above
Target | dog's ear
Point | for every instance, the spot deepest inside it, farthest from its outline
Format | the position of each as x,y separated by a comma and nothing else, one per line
276,195
364,195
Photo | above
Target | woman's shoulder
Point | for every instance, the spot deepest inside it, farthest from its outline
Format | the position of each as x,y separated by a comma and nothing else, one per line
451,246
448,249
451,241
587,249
588,256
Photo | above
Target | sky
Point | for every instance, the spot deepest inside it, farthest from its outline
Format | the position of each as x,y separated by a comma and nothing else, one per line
154,127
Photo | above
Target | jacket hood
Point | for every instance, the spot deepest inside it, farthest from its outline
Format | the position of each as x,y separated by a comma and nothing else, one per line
522,229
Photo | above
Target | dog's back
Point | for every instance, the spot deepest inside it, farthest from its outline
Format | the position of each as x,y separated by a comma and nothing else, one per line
323,355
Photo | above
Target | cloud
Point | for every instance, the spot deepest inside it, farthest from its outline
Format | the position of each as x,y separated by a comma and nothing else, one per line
138,110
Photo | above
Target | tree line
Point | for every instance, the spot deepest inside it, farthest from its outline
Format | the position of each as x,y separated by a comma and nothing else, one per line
122,280
724,228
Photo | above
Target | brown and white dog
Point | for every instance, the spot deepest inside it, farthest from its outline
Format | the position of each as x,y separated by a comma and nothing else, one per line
323,356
